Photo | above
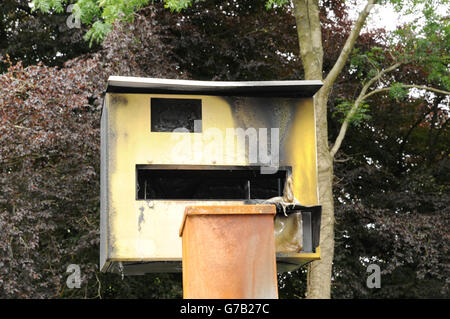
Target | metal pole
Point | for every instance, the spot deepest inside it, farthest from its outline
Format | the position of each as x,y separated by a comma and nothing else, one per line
229,252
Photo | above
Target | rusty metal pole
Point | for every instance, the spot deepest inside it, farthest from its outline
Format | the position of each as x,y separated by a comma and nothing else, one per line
229,252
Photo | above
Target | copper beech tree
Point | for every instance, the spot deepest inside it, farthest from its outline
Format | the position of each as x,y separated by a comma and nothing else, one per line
49,170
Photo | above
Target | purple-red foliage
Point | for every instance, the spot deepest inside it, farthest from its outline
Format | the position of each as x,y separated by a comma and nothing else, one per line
49,133
49,160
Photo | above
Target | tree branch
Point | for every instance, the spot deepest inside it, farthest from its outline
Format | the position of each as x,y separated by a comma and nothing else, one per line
408,86
362,94
406,137
348,46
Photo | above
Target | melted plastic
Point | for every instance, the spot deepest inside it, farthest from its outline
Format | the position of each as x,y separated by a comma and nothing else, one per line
288,233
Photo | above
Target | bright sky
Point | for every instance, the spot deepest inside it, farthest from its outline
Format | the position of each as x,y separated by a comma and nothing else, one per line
384,16
381,16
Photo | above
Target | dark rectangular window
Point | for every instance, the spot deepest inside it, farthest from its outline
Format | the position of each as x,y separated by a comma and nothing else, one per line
170,114
215,184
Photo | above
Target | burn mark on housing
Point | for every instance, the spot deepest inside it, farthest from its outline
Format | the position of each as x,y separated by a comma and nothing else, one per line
118,99
265,113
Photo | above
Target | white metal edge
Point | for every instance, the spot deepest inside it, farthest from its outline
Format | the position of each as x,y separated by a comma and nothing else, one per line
128,81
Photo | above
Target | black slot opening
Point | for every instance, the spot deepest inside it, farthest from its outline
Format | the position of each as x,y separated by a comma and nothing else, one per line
208,184
170,114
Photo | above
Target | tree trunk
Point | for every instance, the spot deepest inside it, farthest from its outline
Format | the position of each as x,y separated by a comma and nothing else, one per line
306,14
309,31
319,272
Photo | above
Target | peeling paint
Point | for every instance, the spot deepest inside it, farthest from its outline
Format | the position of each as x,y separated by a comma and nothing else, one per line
141,217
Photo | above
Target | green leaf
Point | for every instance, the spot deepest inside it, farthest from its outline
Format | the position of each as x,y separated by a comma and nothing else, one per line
361,114
177,5
275,3
397,91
